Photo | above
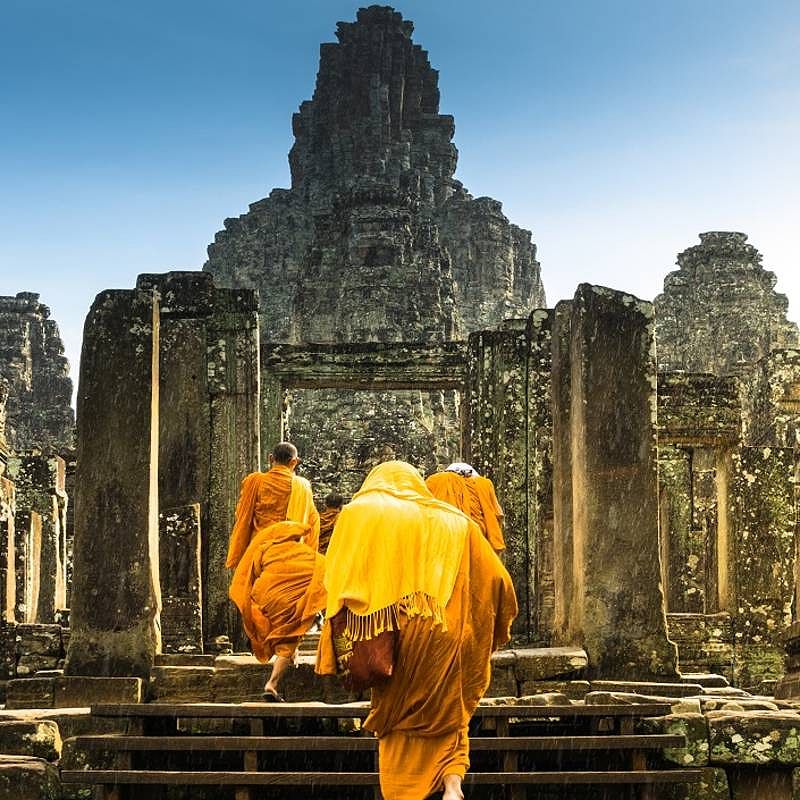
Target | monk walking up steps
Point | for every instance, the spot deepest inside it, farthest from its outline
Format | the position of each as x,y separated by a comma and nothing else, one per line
327,519
402,560
462,487
278,583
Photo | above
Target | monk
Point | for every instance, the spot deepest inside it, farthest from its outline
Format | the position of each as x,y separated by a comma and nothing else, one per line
327,519
278,580
461,486
402,560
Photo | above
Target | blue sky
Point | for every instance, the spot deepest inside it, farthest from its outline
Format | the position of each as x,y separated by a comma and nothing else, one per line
615,131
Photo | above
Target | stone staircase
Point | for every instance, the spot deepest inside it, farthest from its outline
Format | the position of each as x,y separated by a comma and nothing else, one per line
256,750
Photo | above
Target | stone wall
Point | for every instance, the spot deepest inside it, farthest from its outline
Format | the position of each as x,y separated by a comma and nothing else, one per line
32,361
375,241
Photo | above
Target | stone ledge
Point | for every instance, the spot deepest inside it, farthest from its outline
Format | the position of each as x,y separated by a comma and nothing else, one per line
27,778
38,738
754,738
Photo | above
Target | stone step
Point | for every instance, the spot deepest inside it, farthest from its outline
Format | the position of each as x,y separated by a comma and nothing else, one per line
705,679
191,778
123,743
185,659
648,688
361,710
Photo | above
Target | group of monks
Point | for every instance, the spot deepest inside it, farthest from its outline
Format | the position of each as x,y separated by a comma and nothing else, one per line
418,557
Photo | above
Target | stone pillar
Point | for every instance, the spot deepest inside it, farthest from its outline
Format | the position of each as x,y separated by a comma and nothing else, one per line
764,534
497,401
233,385
617,606
181,582
115,595
39,481
28,550
209,415
539,415
563,577
8,592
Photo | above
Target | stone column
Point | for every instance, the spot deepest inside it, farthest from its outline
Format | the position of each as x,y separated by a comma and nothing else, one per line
115,594
539,416
209,418
181,582
8,591
233,385
39,480
617,606
497,401
563,577
764,536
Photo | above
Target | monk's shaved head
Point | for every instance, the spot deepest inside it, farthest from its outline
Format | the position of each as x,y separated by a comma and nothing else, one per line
284,453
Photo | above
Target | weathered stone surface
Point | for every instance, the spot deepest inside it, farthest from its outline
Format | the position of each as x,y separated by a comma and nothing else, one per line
181,684
679,705
719,310
8,650
30,693
574,690
764,542
38,410
537,664
115,594
758,737
707,680
180,573
28,778
705,641
661,689
75,691
38,738
693,727
504,680
614,490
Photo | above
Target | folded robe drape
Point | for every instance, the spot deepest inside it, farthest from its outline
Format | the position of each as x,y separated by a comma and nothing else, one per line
278,588
475,496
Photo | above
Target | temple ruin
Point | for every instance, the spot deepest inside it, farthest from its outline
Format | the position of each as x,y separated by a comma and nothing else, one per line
645,454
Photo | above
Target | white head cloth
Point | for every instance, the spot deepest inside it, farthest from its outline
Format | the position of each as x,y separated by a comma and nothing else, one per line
463,469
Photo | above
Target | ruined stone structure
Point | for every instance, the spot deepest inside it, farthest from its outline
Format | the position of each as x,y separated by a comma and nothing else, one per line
375,241
719,312
727,440
32,361
180,430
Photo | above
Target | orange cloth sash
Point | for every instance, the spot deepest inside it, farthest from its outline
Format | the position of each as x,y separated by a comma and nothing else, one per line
278,588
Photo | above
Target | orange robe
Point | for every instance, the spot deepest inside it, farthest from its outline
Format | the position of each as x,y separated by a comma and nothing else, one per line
268,497
420,715
474,496
327,521
278,588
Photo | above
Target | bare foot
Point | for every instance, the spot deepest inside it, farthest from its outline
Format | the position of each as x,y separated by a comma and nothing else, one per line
452,788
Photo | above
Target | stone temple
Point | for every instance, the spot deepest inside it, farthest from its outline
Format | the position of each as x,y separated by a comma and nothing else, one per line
645,453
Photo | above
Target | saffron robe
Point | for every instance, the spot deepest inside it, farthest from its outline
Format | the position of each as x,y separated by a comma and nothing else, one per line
268,497
475,496
327,521
453,605
278,588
